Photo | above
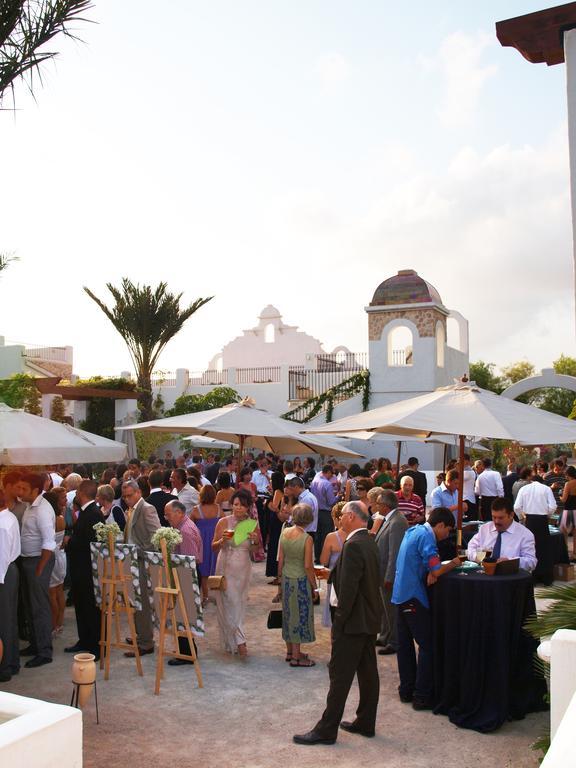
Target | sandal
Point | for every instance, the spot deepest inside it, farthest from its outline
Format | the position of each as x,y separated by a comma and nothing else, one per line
302,662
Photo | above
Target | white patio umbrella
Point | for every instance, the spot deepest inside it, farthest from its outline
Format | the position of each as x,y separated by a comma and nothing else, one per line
27,440
249,427
201,441
462,409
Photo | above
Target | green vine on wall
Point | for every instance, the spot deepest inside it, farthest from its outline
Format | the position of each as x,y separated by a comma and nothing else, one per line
359,382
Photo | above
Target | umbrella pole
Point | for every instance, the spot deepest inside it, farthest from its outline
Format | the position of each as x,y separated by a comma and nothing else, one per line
462,438
240,455
444,457
398,458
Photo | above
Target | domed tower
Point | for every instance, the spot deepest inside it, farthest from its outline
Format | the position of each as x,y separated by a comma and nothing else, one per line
407,331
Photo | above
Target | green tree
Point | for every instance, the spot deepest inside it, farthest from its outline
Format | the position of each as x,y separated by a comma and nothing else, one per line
20,391
58,409
517,371
483,374
556,399
216,398
25,27
147,319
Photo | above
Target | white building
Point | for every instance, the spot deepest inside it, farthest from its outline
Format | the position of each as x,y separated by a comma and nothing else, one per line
415,345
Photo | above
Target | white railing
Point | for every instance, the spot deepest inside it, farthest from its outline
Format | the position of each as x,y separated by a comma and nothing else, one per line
54,354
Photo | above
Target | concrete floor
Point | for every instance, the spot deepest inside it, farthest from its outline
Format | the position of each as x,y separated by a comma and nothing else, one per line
248,710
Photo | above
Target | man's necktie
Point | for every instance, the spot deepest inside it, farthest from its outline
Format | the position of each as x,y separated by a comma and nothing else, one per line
497,547
129,512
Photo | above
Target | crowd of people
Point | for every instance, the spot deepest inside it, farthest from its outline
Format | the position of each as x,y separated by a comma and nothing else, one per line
367,529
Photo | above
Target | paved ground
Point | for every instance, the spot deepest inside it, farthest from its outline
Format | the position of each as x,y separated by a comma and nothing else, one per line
248,710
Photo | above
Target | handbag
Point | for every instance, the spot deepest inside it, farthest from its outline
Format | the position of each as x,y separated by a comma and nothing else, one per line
217,582
274,620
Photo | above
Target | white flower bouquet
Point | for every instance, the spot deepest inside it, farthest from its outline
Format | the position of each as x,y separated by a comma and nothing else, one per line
171,536
103,530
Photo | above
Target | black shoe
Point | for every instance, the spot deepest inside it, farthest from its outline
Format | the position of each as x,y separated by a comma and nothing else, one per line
5,677
353,728
76,648
421,704
28,651
380,643
179,662
312,738
14,670
38,661
406,698
141,651
386,651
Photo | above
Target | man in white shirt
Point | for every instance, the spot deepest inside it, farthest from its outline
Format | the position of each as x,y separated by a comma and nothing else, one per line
505,538
534,503
183,490
262,480
489,487
9,552
38,543
535,499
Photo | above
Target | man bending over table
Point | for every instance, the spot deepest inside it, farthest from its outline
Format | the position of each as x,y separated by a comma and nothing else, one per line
418,565
505,538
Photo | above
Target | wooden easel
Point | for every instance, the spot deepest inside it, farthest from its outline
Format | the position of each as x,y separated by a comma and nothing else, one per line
171,602
116,601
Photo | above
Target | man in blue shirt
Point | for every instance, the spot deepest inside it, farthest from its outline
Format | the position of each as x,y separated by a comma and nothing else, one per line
446,494
418,566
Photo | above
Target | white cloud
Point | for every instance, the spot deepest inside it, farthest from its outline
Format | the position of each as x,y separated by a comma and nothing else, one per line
332,69
459,62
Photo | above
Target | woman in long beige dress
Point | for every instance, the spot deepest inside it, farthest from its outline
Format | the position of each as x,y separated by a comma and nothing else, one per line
234,564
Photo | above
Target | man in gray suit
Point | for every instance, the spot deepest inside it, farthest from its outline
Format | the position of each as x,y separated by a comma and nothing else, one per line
141,523
388,540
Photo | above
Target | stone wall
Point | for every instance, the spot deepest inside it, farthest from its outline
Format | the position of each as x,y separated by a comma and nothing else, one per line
424,319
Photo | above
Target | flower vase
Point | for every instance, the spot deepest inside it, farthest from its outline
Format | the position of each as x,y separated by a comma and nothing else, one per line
84,676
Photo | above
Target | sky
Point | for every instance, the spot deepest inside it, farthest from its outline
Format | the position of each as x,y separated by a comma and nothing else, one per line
288,152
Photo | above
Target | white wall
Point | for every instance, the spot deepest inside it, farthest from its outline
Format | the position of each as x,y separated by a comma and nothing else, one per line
39,734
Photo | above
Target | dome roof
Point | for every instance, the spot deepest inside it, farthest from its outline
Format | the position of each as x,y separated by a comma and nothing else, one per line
405,288
269,312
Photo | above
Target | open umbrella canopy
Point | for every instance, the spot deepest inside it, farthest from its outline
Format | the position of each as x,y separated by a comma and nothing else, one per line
27,440
244,423
435,438
200,441
462,409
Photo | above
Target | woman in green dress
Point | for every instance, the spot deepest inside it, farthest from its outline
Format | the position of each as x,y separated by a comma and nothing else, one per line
296,569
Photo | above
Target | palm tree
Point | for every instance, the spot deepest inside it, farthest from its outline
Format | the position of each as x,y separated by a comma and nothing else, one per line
146,318
27,25
5,260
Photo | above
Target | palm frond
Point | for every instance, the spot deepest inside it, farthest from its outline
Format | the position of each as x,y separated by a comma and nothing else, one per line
560,614
25,27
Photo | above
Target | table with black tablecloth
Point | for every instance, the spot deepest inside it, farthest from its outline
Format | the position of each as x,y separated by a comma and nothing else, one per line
484,670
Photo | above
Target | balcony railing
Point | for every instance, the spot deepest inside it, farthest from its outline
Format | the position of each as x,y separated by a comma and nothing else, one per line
258,375
53,354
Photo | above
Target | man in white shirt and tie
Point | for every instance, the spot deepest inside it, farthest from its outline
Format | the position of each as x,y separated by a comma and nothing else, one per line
505,538
488,487
38,540
9,552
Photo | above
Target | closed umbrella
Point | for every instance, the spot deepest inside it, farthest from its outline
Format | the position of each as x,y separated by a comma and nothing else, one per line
462,409
27,440
249,427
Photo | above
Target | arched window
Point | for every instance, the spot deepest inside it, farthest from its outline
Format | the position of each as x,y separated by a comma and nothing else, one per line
269,333
400,342
440,344
341,357
453,333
